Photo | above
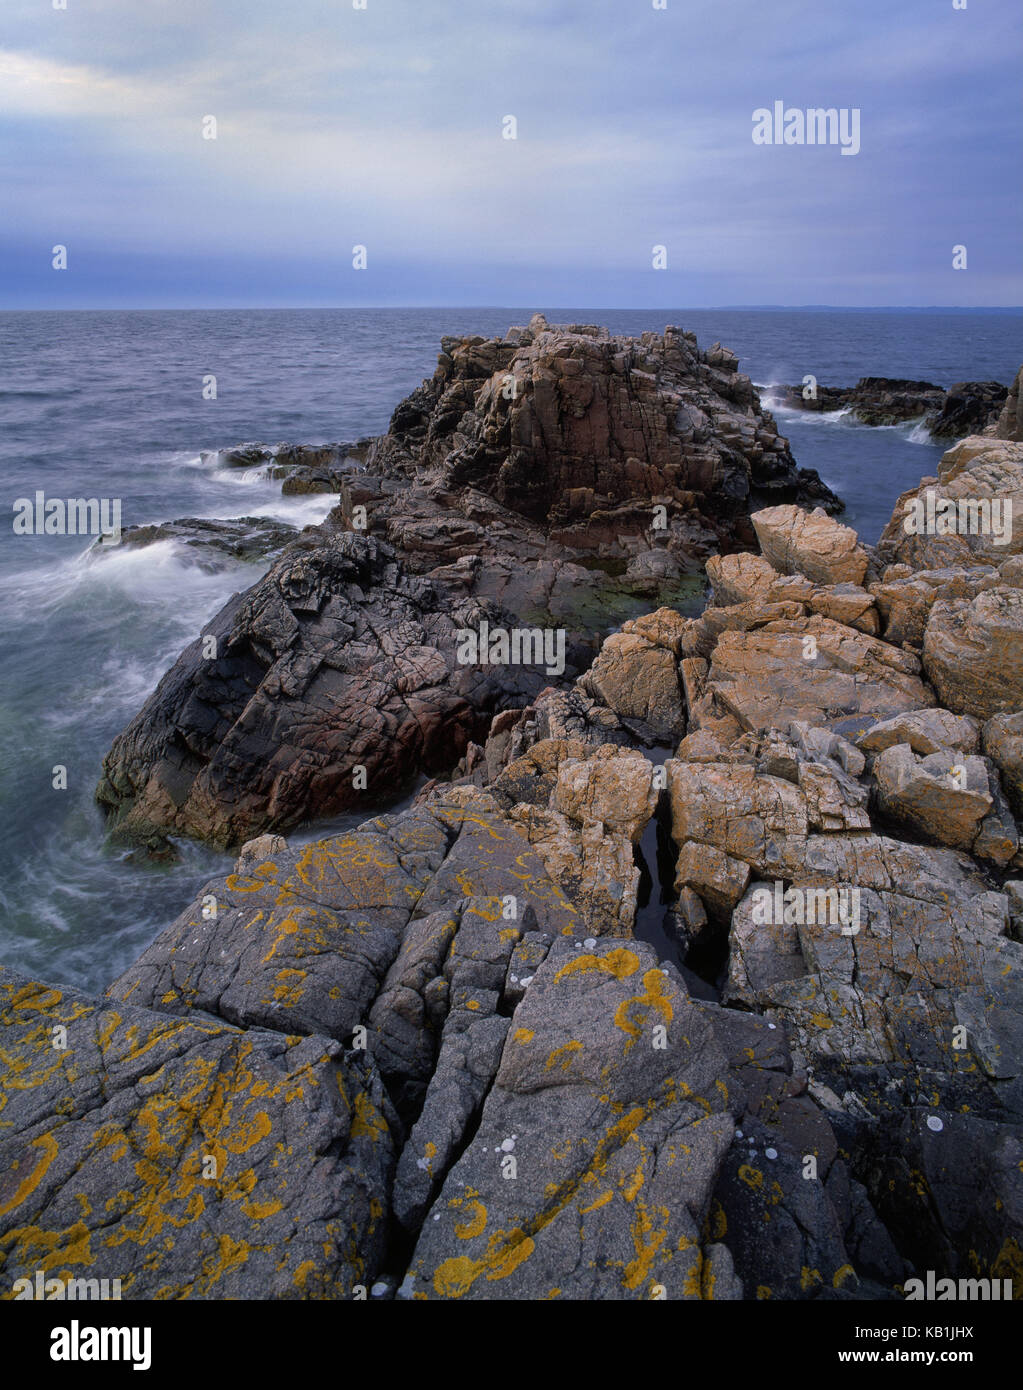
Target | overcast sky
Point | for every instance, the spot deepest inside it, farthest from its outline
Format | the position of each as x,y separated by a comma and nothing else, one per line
383,127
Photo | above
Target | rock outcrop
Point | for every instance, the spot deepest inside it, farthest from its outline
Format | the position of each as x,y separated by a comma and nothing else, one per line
301,467
968,407
1009,424
210,545
538,483
183,1157
335,675
696,975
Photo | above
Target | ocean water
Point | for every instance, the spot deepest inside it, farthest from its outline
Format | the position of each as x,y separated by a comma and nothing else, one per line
111,405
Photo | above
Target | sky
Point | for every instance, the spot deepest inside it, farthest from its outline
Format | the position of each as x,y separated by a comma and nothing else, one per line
384,127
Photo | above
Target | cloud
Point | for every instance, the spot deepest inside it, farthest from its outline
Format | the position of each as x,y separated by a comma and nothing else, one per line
383,127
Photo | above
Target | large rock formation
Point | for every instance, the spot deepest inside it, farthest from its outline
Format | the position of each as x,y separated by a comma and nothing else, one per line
338,674
582,432
334,676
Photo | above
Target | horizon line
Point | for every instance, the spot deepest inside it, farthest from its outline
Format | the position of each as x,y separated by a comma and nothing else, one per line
516,308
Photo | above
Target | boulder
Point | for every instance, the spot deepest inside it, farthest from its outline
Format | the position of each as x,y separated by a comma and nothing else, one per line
925,731
742,578
812,670
613,786
904,598
1003,743
638,680
971,514
973,652
810,543
942,797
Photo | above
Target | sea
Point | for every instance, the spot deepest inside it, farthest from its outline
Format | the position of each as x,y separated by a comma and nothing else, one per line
112,405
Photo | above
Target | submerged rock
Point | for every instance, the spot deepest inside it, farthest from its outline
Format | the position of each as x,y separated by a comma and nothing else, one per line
211,544
302,467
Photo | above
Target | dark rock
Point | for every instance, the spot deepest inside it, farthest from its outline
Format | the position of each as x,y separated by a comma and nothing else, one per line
580,434
968,408
303,467
211,544
336,660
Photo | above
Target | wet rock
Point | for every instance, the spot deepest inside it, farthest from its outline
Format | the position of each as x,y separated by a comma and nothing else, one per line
210,545
335,661
874,400
969,407
303,467
949,1186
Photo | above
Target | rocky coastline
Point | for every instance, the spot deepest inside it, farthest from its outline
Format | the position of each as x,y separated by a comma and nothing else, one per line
692,967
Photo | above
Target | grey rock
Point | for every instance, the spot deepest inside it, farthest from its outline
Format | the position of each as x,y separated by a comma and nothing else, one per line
188,1160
